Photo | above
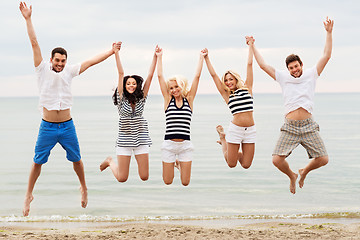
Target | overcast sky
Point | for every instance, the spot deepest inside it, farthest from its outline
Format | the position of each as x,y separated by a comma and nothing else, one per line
182,29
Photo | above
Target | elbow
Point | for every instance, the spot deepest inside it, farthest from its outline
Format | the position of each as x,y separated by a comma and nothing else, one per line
263,67
34,42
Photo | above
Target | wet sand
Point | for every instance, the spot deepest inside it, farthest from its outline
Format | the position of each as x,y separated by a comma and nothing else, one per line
275,229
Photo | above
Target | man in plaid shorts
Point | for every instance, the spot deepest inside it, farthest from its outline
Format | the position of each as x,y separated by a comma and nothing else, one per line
298,88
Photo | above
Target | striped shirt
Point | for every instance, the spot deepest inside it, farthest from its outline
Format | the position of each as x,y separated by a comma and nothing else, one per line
133,128
240,101
178,120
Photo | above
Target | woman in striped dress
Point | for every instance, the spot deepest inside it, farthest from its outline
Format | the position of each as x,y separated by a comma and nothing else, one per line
238,95
133,137
178,106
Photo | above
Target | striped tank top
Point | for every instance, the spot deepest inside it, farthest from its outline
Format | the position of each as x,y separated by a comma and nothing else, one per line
241,101
178,120
133,128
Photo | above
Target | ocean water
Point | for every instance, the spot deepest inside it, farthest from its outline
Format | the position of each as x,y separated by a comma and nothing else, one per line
215,191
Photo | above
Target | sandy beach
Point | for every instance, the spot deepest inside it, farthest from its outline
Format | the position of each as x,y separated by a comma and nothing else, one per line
265,230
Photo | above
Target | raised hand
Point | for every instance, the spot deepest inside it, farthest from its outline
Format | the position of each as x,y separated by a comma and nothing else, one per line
25,11
204,52
328,24
249,40
158,51
116,47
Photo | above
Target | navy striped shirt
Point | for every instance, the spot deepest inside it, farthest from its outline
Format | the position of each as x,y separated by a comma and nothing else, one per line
178,120
133,128
241,101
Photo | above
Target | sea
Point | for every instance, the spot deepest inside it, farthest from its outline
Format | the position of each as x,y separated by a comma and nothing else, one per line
215,191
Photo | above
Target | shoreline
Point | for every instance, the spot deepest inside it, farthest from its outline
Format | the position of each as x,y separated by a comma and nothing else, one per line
323,228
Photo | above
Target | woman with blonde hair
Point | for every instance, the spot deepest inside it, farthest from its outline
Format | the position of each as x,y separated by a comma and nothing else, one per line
178,106
238,95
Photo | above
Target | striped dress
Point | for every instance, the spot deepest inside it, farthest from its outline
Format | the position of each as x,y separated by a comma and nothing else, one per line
133,128
178,120
241,101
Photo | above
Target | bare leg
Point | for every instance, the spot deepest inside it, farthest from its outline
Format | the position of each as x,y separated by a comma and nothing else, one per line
247,155
168,172
230,151
120,171
283,166
143,165
185,172
34,174
79,170
233,154
312,165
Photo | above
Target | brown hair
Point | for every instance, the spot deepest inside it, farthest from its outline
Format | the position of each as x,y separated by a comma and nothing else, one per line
60,50
292,58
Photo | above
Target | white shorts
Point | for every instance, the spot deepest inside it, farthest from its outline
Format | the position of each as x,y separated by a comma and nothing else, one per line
127,151
238,135
182,151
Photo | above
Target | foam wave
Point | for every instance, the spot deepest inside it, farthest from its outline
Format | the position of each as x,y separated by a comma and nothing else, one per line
107,218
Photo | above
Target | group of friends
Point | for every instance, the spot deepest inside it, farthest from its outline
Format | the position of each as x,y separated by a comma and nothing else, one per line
298,87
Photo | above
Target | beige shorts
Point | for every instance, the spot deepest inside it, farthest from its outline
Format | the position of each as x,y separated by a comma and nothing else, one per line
181,151
304,132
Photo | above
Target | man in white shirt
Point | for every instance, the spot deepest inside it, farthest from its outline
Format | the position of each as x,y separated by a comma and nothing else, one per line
298,87
54,81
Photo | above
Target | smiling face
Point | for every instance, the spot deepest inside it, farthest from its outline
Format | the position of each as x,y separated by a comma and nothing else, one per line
230,81
130,85
58,62
295,69
174,88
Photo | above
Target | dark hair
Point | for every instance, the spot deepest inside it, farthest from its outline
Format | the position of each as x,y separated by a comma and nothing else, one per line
292,58
131,97
60,50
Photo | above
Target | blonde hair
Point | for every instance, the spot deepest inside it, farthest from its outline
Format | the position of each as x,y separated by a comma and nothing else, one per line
182,82
240,84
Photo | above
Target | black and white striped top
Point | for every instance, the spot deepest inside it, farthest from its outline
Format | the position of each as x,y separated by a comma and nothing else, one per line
241,101
178,120
133,128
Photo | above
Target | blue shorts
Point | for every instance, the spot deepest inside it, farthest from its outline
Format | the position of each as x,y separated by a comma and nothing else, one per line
52,133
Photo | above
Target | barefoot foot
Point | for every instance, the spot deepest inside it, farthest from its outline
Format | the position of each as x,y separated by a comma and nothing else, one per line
220,131
293,183
105,163
84,199
302,177
26,209
177,164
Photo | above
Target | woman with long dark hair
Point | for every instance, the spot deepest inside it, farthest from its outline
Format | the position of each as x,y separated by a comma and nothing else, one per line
130,97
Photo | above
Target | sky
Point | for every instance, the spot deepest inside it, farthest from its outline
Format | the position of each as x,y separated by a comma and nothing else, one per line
182,29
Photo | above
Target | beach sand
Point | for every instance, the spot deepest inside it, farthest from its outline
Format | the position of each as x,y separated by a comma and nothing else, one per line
263,230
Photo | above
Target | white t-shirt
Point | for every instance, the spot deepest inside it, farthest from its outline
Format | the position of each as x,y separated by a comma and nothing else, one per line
55,88
298,92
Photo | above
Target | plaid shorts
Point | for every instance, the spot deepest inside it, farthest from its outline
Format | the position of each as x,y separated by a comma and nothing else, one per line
304,132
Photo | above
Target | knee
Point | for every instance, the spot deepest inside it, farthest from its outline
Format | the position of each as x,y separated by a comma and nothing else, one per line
277,160
122,179
324,160
246,165
168,181
144,178
232,164
185,182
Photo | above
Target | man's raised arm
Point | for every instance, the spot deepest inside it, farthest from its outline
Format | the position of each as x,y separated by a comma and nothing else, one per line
26,12
328,25
259,59
95,60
